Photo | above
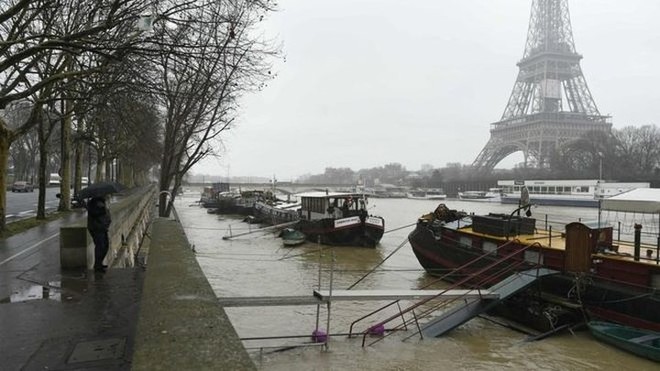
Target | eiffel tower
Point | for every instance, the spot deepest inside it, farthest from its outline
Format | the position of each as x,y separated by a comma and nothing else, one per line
550,103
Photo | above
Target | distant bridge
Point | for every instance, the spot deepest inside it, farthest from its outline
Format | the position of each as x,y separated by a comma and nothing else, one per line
284,187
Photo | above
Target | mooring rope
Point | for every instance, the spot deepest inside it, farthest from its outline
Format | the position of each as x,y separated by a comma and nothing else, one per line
402,227
304,253
379,264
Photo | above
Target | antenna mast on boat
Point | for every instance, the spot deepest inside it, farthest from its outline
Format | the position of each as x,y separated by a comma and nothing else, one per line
599,185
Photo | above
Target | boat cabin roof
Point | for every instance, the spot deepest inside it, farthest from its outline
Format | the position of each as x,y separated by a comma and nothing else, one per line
594,224
555,240
640,200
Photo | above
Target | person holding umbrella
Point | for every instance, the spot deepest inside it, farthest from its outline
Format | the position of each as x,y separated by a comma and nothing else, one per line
98,223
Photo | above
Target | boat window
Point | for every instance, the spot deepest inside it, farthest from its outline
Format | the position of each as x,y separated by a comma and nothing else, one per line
544,189
552,190
567,189
313,204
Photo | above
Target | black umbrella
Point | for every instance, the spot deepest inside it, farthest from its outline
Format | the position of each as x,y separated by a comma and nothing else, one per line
100,189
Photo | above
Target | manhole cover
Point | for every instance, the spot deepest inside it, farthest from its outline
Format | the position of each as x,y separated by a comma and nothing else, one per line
97,350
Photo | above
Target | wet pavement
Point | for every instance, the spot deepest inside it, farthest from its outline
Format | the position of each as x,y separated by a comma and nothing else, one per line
65,320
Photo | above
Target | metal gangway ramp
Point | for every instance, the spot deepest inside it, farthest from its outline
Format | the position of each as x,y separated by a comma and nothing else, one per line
506,275
503,289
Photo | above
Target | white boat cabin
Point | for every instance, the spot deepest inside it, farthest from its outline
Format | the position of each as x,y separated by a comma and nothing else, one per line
324,205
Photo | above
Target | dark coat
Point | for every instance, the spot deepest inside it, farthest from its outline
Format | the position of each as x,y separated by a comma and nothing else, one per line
98,215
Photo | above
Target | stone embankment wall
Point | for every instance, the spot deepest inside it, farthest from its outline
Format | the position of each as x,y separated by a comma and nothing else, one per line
181,324
130,218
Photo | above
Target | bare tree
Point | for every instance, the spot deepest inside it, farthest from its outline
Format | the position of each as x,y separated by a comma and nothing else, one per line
199,59
31,28
21,155
582,157
638,150
209,58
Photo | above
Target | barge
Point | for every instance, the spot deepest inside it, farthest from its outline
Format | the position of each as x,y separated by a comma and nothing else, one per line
596,276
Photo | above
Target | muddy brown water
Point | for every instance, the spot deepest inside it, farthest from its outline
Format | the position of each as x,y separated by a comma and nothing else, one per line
258,265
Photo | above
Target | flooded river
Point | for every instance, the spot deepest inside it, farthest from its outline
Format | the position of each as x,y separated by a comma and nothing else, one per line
258,265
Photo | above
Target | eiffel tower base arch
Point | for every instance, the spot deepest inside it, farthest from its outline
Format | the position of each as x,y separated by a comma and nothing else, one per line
537,136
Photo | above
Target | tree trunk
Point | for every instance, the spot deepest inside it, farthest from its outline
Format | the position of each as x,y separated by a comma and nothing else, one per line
100,165
175,189
78,168
65,185
43,160
89,164
5,141
120,171
125,174
164,203
109,176
165,180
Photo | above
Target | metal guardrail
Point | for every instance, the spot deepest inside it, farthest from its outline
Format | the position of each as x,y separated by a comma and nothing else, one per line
462,282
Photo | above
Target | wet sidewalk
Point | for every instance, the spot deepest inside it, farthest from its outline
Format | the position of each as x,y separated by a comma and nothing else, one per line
65,320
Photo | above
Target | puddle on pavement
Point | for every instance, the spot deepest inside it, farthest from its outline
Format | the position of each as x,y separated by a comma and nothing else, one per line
36,292
68,290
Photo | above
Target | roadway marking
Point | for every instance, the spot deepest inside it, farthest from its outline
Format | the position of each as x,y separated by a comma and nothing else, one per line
49,202
28,249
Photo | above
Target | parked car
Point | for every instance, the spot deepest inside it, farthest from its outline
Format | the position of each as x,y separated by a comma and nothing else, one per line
22,186
54,179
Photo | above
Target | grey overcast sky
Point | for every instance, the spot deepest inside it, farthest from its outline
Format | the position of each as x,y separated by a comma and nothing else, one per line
370,82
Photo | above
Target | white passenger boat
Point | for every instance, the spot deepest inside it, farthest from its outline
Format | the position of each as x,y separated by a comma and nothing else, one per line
427,194
585,193
492,195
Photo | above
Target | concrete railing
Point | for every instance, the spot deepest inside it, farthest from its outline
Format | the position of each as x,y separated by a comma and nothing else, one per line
130,218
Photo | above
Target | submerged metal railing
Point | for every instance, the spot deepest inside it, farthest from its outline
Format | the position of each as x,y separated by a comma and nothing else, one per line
462,282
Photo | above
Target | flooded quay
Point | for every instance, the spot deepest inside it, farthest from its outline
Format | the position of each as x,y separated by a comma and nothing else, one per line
258,265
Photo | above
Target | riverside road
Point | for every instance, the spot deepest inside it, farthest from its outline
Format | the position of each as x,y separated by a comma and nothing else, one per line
20,205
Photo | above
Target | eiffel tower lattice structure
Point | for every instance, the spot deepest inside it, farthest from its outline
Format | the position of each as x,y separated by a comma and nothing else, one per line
550,104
